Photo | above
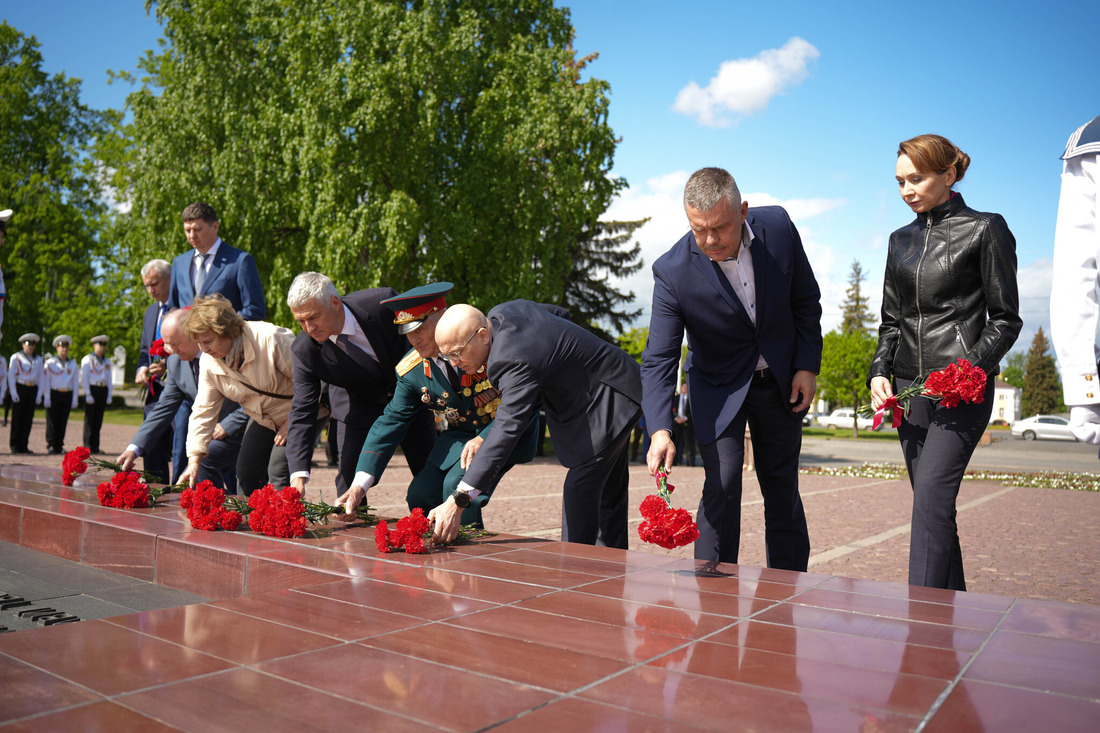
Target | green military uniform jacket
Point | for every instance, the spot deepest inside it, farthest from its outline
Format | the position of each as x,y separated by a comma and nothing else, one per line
421,385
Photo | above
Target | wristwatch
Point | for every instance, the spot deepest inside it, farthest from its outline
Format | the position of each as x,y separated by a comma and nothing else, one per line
462,499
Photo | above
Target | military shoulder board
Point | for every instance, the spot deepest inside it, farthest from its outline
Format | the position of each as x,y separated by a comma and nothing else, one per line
406,364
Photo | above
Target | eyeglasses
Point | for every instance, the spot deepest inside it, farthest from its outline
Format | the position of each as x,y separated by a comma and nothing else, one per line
450,358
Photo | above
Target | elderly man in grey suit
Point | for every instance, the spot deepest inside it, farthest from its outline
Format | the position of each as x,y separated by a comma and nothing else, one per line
592,394
180,386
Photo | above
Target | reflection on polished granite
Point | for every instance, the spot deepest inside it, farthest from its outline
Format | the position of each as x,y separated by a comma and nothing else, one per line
515,634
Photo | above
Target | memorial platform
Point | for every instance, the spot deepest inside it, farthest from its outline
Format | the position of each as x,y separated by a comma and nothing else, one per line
514,634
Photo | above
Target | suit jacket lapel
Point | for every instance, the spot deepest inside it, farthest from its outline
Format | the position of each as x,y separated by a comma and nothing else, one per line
216,273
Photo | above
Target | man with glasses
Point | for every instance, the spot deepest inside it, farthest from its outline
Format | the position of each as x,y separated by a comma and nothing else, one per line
463,404
592,392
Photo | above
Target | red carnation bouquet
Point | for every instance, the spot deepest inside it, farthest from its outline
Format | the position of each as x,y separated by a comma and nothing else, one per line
277,513
662,524
73,464
409,534
77,461
952,385
157,354
283,512
126,490
205,505
413,534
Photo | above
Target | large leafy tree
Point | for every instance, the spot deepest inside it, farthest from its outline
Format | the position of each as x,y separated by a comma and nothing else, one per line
1042,390
380,142
845,359
52,253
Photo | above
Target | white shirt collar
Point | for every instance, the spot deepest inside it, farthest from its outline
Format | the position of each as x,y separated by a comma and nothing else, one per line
209,256
351,327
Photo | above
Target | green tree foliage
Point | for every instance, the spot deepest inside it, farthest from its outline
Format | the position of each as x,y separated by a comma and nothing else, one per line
1014,373
856,317
52,255
381,142
1042,390
845,359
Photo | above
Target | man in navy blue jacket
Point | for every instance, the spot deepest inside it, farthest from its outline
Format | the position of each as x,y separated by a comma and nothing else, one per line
214,267
741,286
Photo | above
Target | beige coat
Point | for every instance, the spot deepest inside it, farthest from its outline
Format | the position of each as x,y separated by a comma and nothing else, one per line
268,365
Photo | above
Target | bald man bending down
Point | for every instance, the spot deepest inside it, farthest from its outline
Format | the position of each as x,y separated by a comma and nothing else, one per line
591,391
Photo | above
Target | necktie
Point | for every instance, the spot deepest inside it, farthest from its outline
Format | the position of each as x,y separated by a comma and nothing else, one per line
195,369
200,273
452,376
359,356
160,317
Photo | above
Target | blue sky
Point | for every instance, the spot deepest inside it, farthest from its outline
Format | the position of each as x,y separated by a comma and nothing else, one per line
804,102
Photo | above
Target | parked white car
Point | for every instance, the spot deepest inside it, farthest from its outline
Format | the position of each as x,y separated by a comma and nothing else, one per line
1043,426
843,418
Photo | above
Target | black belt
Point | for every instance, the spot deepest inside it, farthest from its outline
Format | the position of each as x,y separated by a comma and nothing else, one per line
763,374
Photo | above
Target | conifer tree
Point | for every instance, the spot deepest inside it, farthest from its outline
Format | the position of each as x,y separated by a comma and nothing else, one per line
856,317
1042,385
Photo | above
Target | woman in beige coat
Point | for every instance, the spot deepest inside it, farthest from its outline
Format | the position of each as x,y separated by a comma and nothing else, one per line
249,362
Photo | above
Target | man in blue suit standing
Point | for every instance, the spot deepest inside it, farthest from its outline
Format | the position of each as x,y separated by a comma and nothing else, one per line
214,267
741,285
211,267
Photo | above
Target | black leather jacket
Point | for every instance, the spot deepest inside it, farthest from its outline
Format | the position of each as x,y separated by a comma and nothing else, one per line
949,292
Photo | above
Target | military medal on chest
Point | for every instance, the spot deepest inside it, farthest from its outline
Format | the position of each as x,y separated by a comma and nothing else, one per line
486,396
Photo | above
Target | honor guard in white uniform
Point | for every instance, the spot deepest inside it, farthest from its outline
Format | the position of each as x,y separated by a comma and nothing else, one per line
1075,282
24,371
95,376
58,390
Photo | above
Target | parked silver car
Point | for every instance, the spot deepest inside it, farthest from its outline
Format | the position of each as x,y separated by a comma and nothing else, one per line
843,418
1043,426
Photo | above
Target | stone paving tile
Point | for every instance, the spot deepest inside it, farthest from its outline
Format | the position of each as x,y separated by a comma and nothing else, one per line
1028,543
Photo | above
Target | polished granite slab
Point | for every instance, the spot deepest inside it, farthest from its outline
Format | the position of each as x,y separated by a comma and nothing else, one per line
515,634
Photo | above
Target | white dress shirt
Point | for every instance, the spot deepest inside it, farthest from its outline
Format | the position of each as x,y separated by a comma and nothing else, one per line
742,278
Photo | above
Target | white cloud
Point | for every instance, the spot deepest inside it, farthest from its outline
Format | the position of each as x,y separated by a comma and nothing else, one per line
746,86
661,200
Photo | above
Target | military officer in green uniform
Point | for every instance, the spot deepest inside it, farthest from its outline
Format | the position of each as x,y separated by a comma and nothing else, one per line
464,405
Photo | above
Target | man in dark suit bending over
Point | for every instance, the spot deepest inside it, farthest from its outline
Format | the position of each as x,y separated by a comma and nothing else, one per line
353,346
592,394
741,286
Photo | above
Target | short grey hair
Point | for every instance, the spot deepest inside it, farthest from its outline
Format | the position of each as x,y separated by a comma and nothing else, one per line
160,267
311,286
174,319
707,186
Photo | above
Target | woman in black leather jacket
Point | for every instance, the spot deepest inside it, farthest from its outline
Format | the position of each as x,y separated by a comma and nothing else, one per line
949,293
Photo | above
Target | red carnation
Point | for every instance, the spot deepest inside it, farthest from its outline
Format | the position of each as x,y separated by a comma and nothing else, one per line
72,465
156,349
381,532
663,525
277,513
409,534
954,384
124,491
